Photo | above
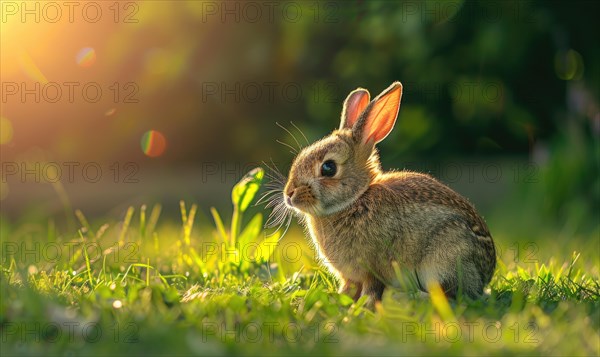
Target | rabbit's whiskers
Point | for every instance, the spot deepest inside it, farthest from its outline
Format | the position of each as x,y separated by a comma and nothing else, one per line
281,216
300,131
293,150
291,134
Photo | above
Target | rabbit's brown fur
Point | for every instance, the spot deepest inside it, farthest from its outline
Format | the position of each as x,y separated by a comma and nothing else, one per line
362,219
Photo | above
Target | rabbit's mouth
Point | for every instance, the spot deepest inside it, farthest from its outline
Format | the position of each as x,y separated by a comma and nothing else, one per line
301,199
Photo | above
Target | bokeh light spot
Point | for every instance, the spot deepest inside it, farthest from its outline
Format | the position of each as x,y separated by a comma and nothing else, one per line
86,57
32,269
6,131
153,143
569,65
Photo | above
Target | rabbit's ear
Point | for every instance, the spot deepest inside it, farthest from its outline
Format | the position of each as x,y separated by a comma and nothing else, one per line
380,116
355,104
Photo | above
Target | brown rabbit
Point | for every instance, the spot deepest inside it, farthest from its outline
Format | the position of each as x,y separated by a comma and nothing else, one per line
362,219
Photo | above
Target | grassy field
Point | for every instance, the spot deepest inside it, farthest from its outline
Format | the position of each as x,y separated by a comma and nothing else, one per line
214,285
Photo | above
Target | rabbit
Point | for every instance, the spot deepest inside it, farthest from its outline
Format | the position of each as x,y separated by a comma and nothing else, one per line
362,219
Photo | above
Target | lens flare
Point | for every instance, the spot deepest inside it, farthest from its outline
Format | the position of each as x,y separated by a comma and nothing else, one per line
30,69
153,143
86,57
6,131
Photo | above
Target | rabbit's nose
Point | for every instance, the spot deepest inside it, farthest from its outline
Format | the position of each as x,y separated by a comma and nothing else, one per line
290,192
288,196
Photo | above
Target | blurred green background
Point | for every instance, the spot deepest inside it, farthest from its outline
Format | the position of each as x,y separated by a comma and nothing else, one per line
500,100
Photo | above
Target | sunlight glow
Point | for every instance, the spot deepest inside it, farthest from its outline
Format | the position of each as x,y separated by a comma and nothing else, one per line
6,131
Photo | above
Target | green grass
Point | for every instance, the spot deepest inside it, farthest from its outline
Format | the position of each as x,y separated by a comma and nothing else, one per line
215,286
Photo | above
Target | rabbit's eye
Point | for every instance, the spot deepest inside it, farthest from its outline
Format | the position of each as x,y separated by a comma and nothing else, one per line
328,169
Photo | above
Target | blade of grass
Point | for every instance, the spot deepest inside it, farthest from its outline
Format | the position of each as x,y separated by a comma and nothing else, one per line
153,218
183,212
440,302
143,221
236,217
84,222
125,227
148,272
189,224
219,224
87,258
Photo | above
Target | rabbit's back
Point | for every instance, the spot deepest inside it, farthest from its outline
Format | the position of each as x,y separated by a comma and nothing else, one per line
421,189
